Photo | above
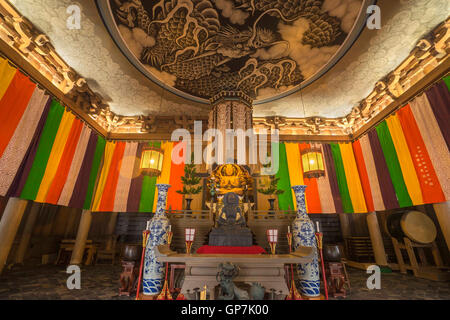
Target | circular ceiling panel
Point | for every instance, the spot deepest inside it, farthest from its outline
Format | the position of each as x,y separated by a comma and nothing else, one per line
264,48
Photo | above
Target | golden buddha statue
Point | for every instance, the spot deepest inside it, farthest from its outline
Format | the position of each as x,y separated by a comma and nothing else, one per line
230,178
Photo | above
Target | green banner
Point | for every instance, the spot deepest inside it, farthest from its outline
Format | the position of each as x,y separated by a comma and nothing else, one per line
395,171
43,151
285,199
341,178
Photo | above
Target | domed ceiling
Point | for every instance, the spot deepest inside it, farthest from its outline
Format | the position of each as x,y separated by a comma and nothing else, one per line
264,48
93,54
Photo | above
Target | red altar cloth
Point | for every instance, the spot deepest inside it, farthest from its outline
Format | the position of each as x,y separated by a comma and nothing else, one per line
230,250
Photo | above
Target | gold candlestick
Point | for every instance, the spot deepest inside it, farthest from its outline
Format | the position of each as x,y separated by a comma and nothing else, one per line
169,238
188,246
289,239
273,246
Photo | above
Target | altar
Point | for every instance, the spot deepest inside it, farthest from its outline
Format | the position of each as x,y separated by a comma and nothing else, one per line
267,270
230,257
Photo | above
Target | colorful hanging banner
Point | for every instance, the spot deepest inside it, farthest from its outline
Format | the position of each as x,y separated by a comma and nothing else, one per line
393,165
285,200
49,156
434,141
405,160
125,177
341,178
18,95
174,199
439,97
313,204
17,148
352,176
429,183
7,73
362,171
294,169
325,193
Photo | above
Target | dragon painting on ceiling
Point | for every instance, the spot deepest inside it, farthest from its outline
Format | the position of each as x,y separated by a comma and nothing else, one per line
259,47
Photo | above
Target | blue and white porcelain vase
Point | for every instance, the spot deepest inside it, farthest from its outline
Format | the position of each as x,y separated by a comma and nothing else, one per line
303,233
153,277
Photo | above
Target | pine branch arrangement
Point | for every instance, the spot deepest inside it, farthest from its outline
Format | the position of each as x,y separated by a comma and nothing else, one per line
272,189
190,180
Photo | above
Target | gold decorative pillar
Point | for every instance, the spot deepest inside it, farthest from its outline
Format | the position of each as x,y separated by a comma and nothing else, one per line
27,232
9,224
442,211
376,239
82,235
230,110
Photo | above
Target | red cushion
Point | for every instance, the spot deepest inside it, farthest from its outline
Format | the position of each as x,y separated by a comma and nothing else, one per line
230,250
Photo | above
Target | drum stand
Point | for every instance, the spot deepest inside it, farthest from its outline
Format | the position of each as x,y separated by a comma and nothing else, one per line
422,269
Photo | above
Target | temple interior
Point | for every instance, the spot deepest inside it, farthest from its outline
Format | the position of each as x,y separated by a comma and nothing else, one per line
224,150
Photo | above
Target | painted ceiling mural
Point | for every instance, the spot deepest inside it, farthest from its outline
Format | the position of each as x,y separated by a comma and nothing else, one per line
93,53
262,48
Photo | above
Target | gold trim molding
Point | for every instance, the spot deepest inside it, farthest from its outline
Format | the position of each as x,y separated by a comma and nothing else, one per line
22,39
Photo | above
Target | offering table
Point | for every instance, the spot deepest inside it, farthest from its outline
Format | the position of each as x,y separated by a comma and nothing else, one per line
267,270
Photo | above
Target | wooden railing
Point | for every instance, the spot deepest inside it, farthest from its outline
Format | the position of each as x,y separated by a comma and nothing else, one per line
191,215
271,215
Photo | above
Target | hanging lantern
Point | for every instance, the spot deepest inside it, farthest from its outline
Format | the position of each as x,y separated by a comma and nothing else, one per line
151,161
312,161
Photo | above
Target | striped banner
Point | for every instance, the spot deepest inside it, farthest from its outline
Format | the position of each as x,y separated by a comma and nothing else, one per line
121,187
52,147
48,155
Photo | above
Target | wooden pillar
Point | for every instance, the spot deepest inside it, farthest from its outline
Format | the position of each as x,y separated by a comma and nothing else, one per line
376,239
82,235
345,225
60,223
70,222
27,232
49,220
112,223
442,211
110,229
9,224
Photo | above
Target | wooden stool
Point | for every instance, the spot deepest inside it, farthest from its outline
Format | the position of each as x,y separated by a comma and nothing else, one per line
336,279
129,277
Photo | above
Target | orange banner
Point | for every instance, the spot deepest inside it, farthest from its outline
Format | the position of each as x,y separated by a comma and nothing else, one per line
109,193
429,183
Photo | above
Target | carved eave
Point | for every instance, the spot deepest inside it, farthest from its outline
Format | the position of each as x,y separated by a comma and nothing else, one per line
231,95
26,46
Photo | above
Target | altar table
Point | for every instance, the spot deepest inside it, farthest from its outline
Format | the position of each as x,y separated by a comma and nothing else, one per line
268,270
230,250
